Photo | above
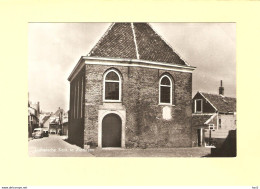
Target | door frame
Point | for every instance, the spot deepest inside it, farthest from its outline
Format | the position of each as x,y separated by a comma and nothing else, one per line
200,136
102,114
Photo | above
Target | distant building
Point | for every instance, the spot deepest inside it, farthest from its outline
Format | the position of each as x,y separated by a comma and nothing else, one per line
55,124
65,123
46,122
33,116
213,117
43,116
131,91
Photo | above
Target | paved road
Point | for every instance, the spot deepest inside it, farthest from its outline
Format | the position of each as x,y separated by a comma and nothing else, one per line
55,146
153,152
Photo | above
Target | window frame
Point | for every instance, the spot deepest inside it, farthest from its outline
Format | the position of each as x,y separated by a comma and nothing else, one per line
163,103
219,123
212,127
195,106
104,85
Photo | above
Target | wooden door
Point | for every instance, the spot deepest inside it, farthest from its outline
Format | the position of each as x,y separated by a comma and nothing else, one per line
111,131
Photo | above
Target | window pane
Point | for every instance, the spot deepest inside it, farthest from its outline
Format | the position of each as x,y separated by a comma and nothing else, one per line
112,91
165,94
165,81
198,105
112,76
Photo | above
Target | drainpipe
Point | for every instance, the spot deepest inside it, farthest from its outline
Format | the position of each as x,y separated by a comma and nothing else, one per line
210,137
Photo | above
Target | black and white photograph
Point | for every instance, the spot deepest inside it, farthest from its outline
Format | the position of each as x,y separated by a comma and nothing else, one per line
132,89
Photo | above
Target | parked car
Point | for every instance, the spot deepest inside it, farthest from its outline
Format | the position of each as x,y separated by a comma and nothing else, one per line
45,133
37,133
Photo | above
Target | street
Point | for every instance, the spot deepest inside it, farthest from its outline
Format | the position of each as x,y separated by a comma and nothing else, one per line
55,146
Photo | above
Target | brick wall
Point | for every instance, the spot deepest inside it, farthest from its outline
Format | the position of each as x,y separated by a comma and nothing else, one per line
76,115
145,126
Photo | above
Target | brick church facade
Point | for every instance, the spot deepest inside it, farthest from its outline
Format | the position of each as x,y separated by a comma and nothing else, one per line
131,91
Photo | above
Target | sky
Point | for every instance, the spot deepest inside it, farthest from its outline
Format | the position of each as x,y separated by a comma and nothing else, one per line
55,48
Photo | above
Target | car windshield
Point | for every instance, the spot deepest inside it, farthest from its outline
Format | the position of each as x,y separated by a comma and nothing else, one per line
37,131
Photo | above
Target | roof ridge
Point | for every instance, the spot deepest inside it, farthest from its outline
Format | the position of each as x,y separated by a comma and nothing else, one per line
169,45
136,47
99,41
217,95
209,101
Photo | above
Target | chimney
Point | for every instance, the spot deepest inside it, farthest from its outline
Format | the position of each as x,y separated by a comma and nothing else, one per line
38,106
221,89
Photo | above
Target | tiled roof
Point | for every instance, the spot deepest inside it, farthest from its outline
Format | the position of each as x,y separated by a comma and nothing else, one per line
199,120
45,119
117,42
58,112
55,121
152,47
221,103
137,41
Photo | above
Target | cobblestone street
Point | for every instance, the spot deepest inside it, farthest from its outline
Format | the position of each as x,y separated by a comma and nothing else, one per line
56,146
153,152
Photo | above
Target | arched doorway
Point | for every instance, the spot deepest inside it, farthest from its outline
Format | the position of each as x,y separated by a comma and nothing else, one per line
111,131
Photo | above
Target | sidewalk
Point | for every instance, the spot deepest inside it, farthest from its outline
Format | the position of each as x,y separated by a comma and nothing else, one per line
55,146
152,152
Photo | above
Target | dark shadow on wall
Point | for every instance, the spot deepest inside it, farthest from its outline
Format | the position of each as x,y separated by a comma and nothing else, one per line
228,147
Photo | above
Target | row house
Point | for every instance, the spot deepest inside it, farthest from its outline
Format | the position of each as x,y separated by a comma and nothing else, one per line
33,117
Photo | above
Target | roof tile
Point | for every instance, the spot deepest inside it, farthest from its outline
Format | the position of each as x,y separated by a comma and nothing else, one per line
222,103
118,42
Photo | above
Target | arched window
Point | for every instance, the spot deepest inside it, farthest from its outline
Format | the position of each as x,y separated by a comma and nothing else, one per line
165,90
112,86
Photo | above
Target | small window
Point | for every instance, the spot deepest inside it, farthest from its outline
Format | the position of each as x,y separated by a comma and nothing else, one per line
198,106
165,90
212,127
219,123
112,86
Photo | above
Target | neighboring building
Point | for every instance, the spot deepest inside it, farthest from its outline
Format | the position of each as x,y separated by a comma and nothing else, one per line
132,90
43,116
33,116
46,122
65,123
213,117
33,120
55,124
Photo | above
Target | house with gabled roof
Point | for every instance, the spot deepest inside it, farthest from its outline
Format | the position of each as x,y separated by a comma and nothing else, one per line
132,90
46,122
214,115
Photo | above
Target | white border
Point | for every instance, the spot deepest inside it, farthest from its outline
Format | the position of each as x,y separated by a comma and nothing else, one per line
128,63
139,61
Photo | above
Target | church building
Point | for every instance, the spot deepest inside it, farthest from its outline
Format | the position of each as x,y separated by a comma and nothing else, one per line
131,91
